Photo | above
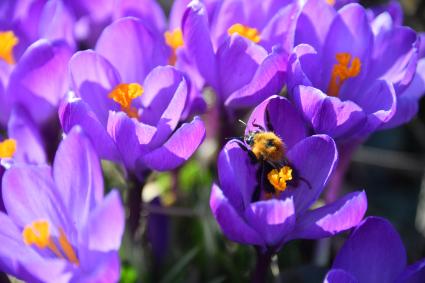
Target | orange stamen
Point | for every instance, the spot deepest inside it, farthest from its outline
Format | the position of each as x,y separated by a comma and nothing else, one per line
174,39
124,94
7,148
245,31
38,234
279,178
8,41
342,72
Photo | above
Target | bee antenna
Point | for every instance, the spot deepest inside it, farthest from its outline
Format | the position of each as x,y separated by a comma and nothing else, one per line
242,122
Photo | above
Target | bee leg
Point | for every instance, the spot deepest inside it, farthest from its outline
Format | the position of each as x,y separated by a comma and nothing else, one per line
258,126
257,192
250,153
268,121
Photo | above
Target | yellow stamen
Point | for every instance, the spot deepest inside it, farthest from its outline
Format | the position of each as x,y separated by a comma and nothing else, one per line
67,248
124,94
342,72
174,39
38,234
7,148
245,31
8,41
331,2
279,178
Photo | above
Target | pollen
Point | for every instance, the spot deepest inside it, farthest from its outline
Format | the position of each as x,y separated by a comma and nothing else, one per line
8,41
174,39
342,71
330,2
279,178
38,234
7,148
245,31
124,94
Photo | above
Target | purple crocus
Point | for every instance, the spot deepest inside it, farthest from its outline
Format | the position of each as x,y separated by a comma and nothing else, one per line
57,226
250,213
240,70
350,76
374,252
131,114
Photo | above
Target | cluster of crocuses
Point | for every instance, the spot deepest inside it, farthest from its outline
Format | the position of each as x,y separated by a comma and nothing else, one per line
121,82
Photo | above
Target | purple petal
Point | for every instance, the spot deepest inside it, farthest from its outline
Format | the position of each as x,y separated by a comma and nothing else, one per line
329,115
163,102
149,11
231,223
395,56
272,219
98,267
302,65
373,253
105,225
12,249
414,273
339,276
313,159
380,103
132,49
30,147
57,22
313,23
179,147
176,13
131,137
5,100
197,40
238,59
331,219
287,123
282,26
407,102
268,80
78,176
39,80
92,78
29,194
74,111
350,32
237,175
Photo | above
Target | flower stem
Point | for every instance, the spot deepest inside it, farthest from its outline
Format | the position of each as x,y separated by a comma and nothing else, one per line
262,267
135,202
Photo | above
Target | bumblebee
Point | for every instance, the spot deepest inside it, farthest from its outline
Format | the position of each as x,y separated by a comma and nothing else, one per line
268,149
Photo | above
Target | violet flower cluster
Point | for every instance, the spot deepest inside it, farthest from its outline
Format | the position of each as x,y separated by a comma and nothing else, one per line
85,81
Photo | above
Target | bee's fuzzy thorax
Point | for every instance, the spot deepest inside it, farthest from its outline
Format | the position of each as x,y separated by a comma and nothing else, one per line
268,146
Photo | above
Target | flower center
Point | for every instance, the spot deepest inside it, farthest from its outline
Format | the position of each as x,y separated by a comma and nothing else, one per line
124,94
8,41
245,31
7,148
38,234
174,39
342,72
279,178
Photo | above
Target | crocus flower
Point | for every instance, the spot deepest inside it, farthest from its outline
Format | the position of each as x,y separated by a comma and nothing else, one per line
131,115
374,252
38,81
24,22
58,227
349,75
241,72
249,212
